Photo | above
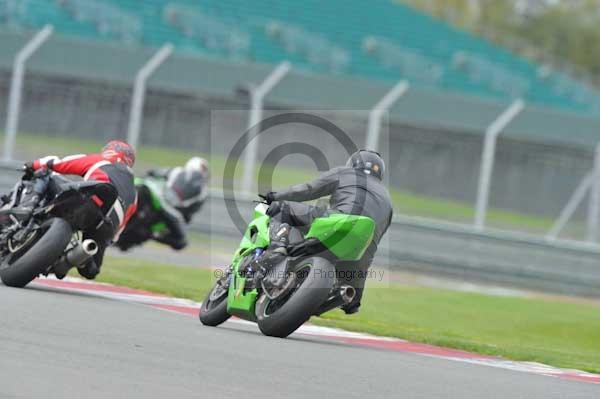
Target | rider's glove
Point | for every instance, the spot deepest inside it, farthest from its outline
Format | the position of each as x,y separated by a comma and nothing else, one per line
268,197
28,170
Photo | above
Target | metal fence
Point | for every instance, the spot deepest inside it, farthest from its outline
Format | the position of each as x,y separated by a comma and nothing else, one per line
528,177
513,157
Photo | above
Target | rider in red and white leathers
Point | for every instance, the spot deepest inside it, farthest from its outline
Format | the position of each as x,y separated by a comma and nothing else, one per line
112,165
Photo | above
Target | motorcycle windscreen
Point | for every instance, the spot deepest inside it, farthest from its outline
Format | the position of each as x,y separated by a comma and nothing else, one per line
256,236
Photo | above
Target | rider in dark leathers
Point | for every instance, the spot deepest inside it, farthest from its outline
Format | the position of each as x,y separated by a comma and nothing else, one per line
167,198
152,223
355,189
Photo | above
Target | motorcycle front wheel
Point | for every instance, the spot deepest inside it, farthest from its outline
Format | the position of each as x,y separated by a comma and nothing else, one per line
214,307
39,251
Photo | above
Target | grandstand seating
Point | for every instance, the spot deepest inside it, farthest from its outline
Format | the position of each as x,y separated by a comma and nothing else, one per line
209,32
109,21
379,39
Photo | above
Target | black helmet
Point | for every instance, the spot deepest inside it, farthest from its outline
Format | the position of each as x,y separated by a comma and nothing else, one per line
186,187
368,161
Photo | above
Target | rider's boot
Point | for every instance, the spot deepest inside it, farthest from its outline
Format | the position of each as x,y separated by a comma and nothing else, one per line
351,308
354,306
274,255
61,271
277,249
89,270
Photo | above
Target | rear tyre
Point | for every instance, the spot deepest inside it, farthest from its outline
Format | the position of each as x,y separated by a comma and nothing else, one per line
282,316
20,268
214,307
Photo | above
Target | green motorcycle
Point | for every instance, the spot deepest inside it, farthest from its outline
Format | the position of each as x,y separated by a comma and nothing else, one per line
307,278
154,220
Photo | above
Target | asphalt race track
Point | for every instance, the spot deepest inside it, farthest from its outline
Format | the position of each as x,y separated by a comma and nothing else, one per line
57,344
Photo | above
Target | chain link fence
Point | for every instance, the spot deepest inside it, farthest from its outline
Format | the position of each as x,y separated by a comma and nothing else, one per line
530,178
433,172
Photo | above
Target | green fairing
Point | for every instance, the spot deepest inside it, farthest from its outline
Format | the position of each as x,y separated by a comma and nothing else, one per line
158,227
155,187
260,228
240,303
346,236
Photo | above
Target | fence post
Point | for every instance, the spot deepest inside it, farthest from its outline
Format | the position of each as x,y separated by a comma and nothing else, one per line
374,128
487,159
16,89
139,92
594,203
257,96
571,206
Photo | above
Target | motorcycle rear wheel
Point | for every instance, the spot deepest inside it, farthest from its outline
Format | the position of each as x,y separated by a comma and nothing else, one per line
282,316
23,266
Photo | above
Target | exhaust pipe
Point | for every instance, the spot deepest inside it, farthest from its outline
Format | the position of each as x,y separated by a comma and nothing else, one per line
77,256
343,296
82,253
347,293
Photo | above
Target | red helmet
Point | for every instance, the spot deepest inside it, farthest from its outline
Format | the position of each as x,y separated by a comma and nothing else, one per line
119,151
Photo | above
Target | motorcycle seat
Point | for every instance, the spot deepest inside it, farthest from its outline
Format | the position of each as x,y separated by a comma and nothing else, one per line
78,185
105,191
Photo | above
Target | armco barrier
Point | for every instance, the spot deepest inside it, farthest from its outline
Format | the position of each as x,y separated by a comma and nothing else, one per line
442,248
436,247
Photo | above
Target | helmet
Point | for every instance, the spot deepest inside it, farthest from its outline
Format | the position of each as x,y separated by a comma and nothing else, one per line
368,161
199,165
118,151
186,187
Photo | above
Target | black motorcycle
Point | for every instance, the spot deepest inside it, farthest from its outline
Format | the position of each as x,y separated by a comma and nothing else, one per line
48,237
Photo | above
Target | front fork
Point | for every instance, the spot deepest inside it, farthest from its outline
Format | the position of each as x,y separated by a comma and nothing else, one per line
39,190
41,185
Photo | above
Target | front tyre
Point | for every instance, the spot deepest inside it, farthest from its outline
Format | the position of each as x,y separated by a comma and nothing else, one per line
214,307
45,247
280,317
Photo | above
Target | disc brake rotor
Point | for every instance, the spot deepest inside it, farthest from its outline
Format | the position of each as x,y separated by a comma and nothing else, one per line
217,292
12,248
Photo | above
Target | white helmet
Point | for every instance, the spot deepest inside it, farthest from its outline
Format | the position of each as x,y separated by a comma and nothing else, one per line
186,187
197,164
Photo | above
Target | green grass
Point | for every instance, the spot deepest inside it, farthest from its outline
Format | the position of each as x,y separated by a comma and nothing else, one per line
181,282
552,332
455,211
407,203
